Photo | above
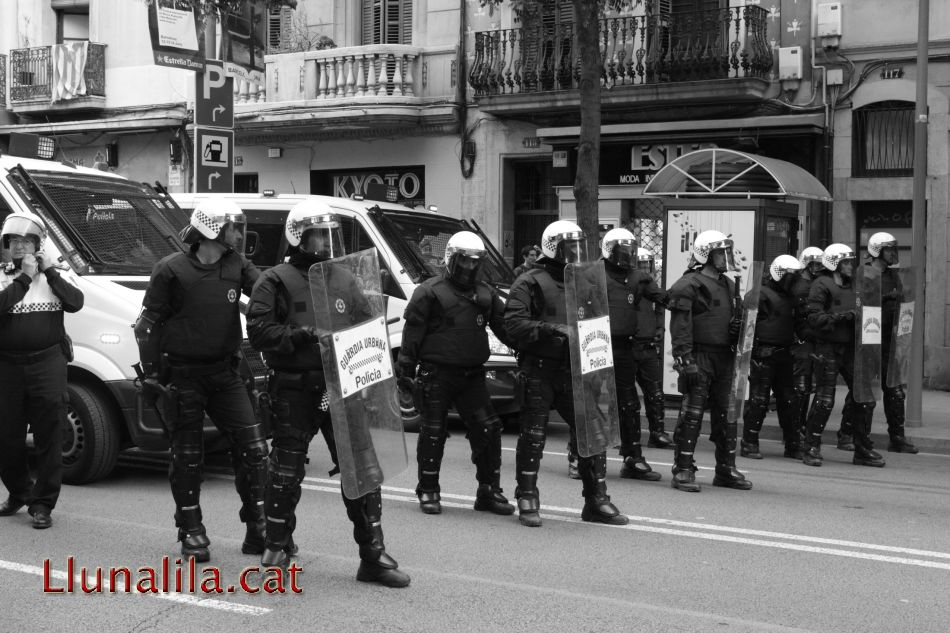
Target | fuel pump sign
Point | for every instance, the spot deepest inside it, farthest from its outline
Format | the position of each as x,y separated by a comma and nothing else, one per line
214,160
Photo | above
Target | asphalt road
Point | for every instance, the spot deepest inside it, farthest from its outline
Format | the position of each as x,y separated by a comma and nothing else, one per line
836,548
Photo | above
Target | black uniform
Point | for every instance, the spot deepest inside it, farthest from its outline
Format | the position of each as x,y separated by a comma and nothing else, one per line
636,306
194,309
772,370
803,350
536,319
445,336
703,333
831,312
280,322
33,382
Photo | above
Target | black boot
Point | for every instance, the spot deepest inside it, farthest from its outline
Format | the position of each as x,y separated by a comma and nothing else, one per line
812,456
490,499
191,533
255,536
659,439
375,564
429,502
684,479
597,505
867,457
684,443
727,475
529,501
750,450
638,468
900,444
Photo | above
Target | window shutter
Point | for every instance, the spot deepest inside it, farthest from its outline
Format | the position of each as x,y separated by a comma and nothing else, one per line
372,21
406,19
279,29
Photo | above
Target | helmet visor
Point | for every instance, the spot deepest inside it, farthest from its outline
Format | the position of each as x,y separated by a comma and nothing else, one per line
234,231
724,247
321,235
19,225
571,248
464,266
622,252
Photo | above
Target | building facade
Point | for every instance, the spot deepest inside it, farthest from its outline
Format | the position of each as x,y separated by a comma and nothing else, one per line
477,110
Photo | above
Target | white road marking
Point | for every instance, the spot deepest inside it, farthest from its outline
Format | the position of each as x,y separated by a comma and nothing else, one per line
743,536
208,603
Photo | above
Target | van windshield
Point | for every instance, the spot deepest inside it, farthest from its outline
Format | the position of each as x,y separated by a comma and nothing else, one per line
421,238
104,225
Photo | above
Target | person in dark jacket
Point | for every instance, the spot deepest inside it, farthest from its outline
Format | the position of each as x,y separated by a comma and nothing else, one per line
636,326
704,327
189,338
536,322
831,314
281,324
444,349
34,352
529,255
772,366
651,307
803,350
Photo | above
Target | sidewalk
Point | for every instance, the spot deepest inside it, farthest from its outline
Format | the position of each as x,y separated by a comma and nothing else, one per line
932,437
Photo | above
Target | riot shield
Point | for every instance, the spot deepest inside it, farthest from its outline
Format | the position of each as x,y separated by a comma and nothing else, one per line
349,310
749,305
867,334
592,363
898,361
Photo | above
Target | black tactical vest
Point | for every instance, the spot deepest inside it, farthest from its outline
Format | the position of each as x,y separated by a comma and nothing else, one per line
647,320
839,300
554,311
800,290
299,313
712,310
621,297
776,324
456,334
207,325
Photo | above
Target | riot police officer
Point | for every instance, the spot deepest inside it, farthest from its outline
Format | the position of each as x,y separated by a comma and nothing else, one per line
34,351
803,350
281,323
882,249
650,330
703,329
445,339
831,313
536,322
189,337
634,334
772,369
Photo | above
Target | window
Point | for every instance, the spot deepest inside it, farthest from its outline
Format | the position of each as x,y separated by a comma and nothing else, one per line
279,29
883,140
387,22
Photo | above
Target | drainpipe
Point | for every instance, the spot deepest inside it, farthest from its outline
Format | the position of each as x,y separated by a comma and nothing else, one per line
466,147
826,149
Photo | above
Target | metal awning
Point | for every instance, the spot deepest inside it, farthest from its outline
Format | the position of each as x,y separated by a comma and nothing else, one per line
716,172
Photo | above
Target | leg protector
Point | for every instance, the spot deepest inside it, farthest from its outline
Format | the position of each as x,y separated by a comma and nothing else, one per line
818,416
655,411
484,437
185,469
249,459
628,405
285,472
375,564
597,505
191,533
894,398
429,451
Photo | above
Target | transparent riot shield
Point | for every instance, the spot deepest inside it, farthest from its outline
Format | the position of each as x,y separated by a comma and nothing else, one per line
898,361
867,334
349,310
749,305
592,363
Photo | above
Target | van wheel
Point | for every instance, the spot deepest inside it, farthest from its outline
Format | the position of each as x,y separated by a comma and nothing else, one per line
90,436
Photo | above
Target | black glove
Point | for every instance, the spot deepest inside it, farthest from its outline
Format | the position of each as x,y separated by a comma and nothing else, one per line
735,329
558,332
844,316
658,336
306,335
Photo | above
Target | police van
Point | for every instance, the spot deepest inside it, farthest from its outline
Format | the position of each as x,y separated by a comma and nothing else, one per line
410,244
105,233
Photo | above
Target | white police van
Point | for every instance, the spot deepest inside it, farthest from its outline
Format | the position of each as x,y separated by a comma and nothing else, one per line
411,246
106,233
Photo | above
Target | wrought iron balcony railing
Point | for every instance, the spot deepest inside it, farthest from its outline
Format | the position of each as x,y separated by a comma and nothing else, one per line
32,76
635,50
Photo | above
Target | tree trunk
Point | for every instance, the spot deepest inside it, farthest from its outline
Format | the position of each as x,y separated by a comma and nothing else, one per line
587,35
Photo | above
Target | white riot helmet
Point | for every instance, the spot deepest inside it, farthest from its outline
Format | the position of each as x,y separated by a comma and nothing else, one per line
211,218
709,241
645,259
313,215
24,224
878,242
812,254
619,247
782,265
464,254
835,254
564,241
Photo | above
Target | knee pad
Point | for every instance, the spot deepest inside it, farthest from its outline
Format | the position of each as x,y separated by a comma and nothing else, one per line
433,427
628,403
895,394
823,401
252,445
287,468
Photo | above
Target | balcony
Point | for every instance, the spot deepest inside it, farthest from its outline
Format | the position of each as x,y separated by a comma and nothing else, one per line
3,81
58,78
649,64
346,92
